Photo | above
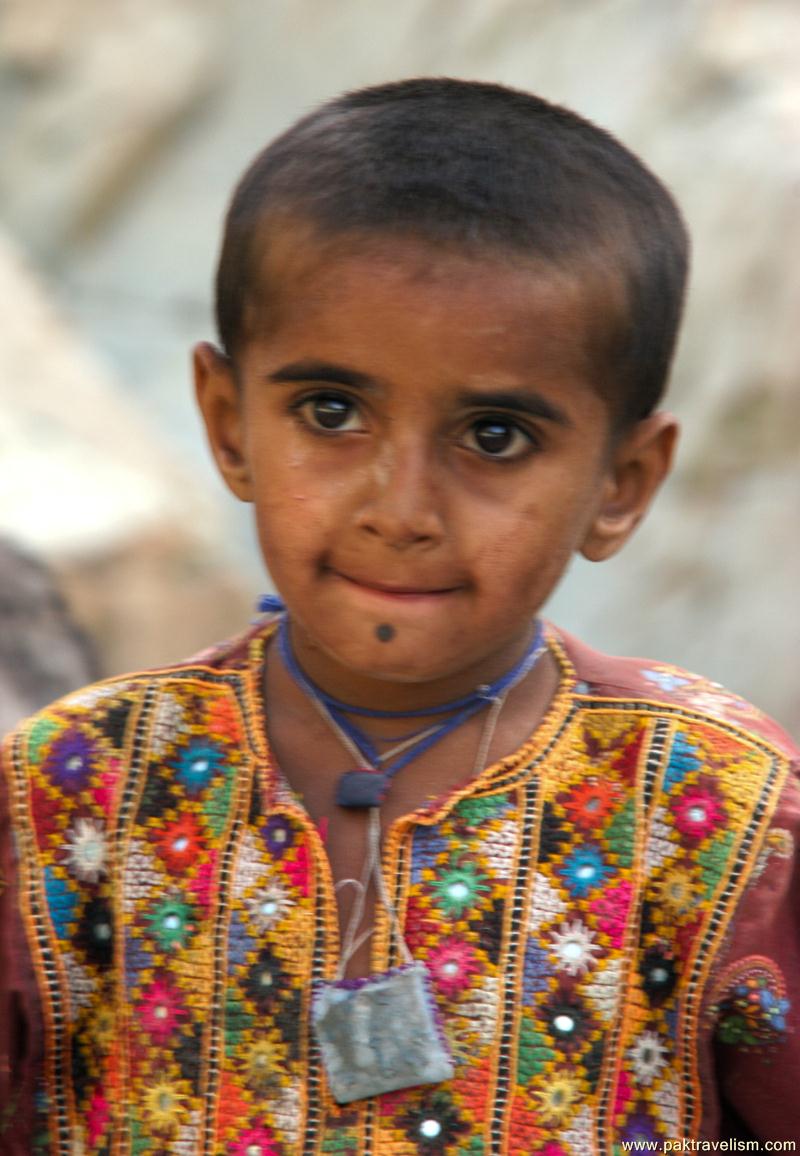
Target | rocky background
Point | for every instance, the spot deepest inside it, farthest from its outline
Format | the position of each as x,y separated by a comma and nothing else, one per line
123,128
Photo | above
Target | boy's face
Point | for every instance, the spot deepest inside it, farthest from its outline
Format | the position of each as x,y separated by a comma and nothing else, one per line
425,448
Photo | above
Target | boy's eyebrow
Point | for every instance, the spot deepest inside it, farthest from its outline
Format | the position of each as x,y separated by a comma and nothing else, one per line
524,400
322,371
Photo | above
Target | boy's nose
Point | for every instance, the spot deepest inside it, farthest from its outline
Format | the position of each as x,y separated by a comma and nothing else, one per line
402,502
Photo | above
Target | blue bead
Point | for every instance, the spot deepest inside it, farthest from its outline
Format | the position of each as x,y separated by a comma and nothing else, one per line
361,789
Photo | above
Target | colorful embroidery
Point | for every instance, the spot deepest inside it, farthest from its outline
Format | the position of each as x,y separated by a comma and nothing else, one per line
567,904
750,1004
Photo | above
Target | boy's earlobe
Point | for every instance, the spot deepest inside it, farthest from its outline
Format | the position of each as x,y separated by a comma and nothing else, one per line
219,400
639,465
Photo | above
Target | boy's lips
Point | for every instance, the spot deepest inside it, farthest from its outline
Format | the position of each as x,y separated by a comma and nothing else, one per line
401,591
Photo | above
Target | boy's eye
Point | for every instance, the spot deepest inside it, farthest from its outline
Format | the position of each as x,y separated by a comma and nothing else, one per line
497,438
330,411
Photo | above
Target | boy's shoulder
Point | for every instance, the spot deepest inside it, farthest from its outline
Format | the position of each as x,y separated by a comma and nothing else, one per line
666,687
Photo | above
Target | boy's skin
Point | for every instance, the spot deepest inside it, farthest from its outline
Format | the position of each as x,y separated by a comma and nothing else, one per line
398,515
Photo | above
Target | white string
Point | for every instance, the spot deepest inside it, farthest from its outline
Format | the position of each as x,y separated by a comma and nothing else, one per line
372,861
357,753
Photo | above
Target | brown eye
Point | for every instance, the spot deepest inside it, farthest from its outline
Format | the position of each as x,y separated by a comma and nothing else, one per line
329,412
496,438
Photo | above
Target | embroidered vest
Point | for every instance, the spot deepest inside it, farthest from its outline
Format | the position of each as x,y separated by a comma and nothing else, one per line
569,904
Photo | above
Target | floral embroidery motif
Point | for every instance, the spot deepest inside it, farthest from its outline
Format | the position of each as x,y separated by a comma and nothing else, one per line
750,1004
563,911
171,923
697,811
591,802
268,905
458,888
87,850
70,762
558,1098
179,843
197,766
648,1057
255,1142
452,966
160,1010
433,1124
584,870
574,945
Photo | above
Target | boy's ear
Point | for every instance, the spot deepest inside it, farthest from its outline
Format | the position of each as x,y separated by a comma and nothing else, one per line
219,398
638,465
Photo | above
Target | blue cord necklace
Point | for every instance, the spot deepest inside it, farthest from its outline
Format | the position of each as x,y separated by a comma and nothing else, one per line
367,786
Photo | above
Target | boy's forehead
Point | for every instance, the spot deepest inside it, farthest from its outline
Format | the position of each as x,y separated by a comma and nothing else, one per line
307,278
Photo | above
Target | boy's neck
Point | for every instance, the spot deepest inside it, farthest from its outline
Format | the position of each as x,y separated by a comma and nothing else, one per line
398,694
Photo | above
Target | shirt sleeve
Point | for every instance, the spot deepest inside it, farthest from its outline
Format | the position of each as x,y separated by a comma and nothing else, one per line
21,1050
755,993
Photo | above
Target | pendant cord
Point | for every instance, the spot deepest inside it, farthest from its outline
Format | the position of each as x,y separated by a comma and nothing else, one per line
414,745
372,862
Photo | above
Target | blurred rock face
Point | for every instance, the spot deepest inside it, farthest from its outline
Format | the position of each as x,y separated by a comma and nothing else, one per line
43,655
93,88
88,484
134,122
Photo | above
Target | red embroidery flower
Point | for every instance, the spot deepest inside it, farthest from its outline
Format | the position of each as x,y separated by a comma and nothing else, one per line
451,965
591,802
255,1142
697,811
161,1010
179,843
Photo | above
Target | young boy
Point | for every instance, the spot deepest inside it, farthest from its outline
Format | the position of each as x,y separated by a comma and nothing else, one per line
447,312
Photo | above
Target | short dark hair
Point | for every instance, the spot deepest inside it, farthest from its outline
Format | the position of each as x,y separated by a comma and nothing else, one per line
484,167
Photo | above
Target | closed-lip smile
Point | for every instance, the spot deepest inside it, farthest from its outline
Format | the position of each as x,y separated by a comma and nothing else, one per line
396,589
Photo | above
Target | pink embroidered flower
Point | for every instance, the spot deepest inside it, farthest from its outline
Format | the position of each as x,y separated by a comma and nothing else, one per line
255,1142
297,868
451,965
97,1117
697,811
611,909
161,1010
